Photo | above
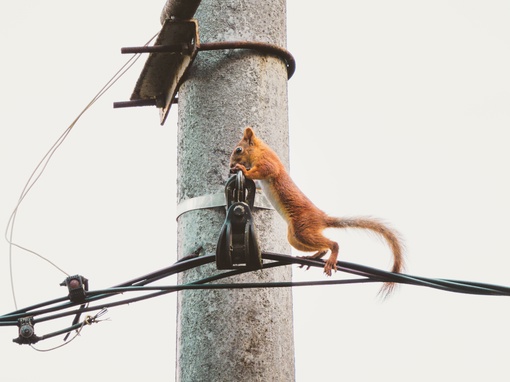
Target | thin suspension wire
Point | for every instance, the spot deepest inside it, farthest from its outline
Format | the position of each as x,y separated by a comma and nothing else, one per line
43,163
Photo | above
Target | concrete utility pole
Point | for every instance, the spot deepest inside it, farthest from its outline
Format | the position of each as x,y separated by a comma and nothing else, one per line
231,335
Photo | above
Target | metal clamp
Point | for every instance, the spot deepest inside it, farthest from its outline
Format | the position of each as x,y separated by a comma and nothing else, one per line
216,201
77,286
26,332
237,245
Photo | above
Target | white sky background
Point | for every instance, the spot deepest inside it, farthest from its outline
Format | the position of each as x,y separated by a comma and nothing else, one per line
398,110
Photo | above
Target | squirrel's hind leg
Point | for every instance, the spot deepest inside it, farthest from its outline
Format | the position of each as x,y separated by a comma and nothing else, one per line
331,261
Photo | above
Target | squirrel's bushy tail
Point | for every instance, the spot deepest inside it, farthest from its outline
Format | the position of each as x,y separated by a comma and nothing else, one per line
391,236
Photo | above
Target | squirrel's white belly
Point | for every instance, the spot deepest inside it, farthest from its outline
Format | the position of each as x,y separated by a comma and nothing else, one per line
270,194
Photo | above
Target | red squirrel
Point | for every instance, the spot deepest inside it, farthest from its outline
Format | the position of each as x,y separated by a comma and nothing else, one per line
305,221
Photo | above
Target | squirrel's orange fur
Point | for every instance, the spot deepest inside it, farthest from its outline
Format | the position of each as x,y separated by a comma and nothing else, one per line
305,221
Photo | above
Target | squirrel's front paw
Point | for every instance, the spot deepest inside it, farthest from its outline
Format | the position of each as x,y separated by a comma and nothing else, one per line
238,167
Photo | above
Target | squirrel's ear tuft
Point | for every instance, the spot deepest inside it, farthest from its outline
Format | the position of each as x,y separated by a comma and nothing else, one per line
248,134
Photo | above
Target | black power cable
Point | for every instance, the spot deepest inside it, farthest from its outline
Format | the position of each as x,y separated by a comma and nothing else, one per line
62,307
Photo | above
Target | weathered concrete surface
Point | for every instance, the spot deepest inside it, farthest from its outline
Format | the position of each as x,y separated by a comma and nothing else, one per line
232,335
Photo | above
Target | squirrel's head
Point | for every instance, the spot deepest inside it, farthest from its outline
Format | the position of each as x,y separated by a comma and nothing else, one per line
243,152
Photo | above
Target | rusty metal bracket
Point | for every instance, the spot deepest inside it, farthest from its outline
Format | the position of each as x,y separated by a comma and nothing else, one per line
169,60
261,47
171,57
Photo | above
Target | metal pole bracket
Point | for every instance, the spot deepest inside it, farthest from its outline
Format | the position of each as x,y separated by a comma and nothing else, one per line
172,55
170,58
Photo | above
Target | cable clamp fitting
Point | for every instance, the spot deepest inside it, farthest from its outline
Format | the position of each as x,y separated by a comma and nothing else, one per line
26,332
237,245
77,286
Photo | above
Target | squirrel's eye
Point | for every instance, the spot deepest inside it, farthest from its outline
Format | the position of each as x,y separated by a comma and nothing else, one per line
239,150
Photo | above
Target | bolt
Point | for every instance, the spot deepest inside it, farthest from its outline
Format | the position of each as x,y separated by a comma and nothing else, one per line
239,210
74,283
26,331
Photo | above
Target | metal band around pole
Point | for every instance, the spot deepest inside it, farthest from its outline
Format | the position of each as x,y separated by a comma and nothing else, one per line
215,201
